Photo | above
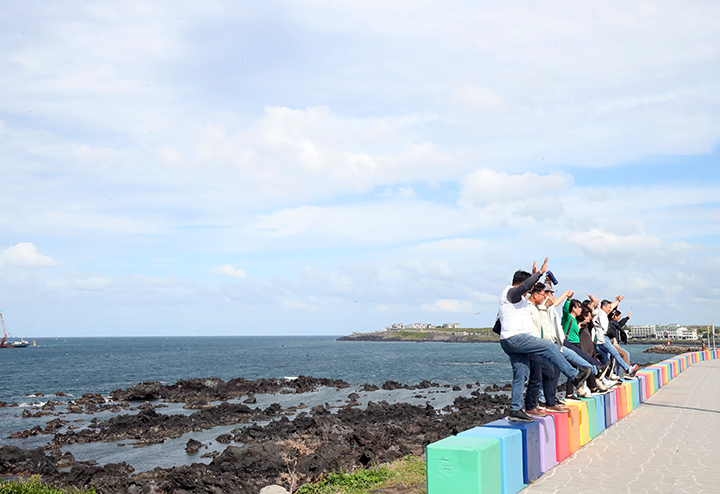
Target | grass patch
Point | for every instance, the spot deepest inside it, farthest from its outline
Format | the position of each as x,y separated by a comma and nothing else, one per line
408,471
33,485
411,335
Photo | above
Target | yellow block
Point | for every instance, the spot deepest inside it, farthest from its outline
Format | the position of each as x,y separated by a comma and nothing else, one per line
627,392
584,417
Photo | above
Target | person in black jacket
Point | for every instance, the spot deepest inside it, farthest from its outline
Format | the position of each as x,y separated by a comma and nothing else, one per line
617,334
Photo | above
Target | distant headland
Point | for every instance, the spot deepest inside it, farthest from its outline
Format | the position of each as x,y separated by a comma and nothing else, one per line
445,334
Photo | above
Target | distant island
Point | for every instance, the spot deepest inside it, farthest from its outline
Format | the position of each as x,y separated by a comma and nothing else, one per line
429,334
455,334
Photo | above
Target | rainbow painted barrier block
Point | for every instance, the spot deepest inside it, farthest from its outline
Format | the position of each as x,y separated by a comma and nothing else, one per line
503,457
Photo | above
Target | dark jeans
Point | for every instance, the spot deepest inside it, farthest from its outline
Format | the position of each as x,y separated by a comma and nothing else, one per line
592,382
541,372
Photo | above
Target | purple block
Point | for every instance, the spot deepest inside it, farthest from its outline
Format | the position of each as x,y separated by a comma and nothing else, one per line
531,446
643,387
548,458
611,408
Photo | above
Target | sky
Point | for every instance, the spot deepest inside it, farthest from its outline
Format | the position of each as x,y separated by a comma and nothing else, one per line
186,168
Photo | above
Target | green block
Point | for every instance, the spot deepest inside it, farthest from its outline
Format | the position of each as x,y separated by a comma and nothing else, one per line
467,465
592,412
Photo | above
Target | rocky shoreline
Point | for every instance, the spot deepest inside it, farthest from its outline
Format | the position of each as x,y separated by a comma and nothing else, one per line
672,349
315,441
466,335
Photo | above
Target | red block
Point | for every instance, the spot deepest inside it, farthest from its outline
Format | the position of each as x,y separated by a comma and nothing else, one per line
619,401
562,435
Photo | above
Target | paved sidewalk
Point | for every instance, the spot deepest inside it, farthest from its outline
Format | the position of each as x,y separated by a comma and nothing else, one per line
669,444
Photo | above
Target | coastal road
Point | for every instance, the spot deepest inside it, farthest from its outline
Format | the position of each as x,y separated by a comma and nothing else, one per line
669,444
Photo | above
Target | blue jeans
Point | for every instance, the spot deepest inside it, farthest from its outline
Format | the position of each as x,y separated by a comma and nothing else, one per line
519,348
608,349
577,360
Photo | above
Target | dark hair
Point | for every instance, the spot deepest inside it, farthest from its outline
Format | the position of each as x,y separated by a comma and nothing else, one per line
575,303
615,313
586,303
586,312
538,288
604,303
520,276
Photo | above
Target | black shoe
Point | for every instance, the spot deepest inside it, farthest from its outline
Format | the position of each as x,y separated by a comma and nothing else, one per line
602,370
581,377
520,416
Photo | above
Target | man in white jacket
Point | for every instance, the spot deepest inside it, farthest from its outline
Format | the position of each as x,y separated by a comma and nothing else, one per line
518,342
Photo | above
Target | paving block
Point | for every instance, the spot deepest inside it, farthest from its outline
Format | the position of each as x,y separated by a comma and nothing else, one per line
592,415
583,420
642,386
531,446
562,435
627,396
573,427
600,412
547,443
470,465
610,408
619,402
635,393
511,455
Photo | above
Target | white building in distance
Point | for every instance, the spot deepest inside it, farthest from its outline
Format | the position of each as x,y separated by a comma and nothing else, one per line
646,331
676,332
671,331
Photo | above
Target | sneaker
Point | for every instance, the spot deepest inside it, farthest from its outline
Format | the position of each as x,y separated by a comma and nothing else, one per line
559,401
536,413
558,409
581,377
613,376
608,383
520,416
633,370
602,370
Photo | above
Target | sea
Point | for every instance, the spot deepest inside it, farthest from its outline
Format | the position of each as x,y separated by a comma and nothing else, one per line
29,377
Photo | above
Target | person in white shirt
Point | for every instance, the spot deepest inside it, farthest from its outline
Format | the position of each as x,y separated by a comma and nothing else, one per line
518,342
601,325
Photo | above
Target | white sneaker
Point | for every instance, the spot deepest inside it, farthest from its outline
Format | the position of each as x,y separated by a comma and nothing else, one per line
608,383
613,377
583,391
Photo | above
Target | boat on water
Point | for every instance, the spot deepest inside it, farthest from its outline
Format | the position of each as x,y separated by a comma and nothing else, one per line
6,342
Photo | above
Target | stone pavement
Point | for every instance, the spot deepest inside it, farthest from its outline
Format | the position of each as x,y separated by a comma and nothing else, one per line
669,444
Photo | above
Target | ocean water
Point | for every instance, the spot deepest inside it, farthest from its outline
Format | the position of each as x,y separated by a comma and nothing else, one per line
31,376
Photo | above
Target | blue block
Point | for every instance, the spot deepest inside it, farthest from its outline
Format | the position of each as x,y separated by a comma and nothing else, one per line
531,446
610,409
600,405
511,455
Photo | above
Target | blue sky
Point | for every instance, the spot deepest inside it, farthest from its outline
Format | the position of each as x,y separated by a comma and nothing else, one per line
307,167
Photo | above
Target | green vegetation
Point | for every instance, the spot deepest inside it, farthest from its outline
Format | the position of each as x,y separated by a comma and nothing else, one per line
33,485
410,471
410,335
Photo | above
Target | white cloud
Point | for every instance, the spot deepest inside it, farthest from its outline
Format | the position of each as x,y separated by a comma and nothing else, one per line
488,187
25,255
448,305
93,283
229,270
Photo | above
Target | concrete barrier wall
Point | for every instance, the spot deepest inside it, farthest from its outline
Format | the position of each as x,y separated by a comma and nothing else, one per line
504,456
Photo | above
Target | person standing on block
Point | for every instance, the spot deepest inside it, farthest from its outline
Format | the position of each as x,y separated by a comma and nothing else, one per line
518,342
